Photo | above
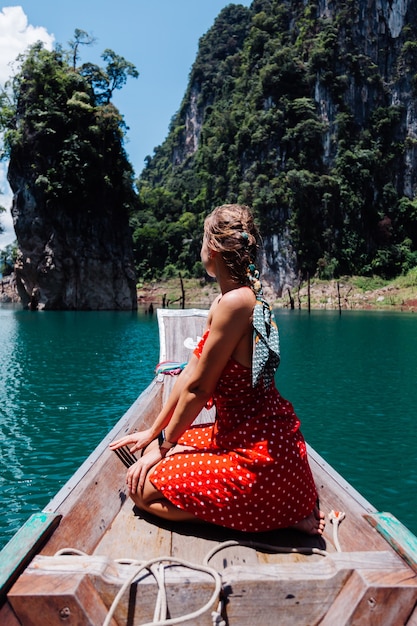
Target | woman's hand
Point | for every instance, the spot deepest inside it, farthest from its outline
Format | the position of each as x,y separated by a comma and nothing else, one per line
137,440
136,474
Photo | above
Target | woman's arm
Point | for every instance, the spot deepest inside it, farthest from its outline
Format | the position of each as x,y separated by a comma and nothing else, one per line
139,440
231,328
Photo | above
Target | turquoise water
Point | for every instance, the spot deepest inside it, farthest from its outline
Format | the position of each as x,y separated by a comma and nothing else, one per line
352,379
67,377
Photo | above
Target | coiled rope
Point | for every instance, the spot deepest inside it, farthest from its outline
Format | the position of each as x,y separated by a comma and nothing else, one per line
157,567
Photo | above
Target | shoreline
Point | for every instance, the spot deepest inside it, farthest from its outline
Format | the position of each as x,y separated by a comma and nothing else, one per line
329,295
343,294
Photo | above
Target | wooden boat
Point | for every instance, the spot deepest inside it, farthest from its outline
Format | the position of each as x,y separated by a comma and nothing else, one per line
91,558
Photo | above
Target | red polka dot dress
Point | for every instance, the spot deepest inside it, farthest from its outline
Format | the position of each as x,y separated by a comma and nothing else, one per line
249,470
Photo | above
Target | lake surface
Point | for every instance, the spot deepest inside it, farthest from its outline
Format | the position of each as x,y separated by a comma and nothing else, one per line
67,377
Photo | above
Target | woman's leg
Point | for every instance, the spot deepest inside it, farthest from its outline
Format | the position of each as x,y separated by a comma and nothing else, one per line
152,501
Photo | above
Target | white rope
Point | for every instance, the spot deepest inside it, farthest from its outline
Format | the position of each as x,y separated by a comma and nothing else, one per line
216,616
70,551
262,546
336,517
161,605
157,568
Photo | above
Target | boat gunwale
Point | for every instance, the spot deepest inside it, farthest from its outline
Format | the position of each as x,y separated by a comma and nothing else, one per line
123,423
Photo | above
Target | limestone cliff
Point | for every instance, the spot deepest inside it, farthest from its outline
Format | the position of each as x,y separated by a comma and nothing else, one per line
306,111
66,263
72,189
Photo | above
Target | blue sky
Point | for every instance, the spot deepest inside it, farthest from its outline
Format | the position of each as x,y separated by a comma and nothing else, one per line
160,37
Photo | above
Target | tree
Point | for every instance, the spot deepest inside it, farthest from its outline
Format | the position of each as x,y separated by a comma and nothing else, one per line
117,71
105,81
293,113
7,259
53,116
81,38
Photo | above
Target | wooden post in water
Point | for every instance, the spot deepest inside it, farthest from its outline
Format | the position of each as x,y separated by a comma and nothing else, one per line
291,299
182,299
338,298
308,293
298,290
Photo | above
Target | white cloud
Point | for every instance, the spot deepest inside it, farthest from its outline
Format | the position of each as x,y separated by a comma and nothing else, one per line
6,221
16,35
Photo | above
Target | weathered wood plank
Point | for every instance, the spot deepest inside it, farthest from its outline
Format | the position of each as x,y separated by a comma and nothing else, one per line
358,588
93,509
51,599
367,598
335,493
53,583
191,547
285,594
412,620
195,548
131,536
364,587
20,550
172,345
397,535
7,617
384,560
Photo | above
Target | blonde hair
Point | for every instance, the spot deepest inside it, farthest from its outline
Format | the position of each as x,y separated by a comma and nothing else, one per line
231,230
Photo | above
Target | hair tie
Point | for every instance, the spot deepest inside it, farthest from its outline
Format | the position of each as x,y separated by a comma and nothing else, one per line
253,276
245,238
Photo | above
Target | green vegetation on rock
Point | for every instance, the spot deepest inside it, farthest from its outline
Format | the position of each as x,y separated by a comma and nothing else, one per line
303,116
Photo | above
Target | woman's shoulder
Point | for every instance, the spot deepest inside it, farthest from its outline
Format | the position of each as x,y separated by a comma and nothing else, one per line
239,297
236,307
235,304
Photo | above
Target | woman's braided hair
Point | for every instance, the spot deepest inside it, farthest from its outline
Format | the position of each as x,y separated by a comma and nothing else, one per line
230,230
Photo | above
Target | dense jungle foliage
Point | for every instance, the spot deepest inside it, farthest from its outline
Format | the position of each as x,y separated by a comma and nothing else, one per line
64,137
268,119
251,129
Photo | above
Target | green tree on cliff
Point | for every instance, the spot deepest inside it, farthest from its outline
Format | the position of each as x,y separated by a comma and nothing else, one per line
62,130
7,259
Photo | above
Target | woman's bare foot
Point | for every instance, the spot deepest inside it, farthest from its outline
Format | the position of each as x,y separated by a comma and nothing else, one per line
313,524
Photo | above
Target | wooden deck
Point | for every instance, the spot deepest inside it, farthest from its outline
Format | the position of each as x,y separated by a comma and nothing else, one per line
280,577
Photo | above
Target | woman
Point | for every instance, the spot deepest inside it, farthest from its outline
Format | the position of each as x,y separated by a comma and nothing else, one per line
249,470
